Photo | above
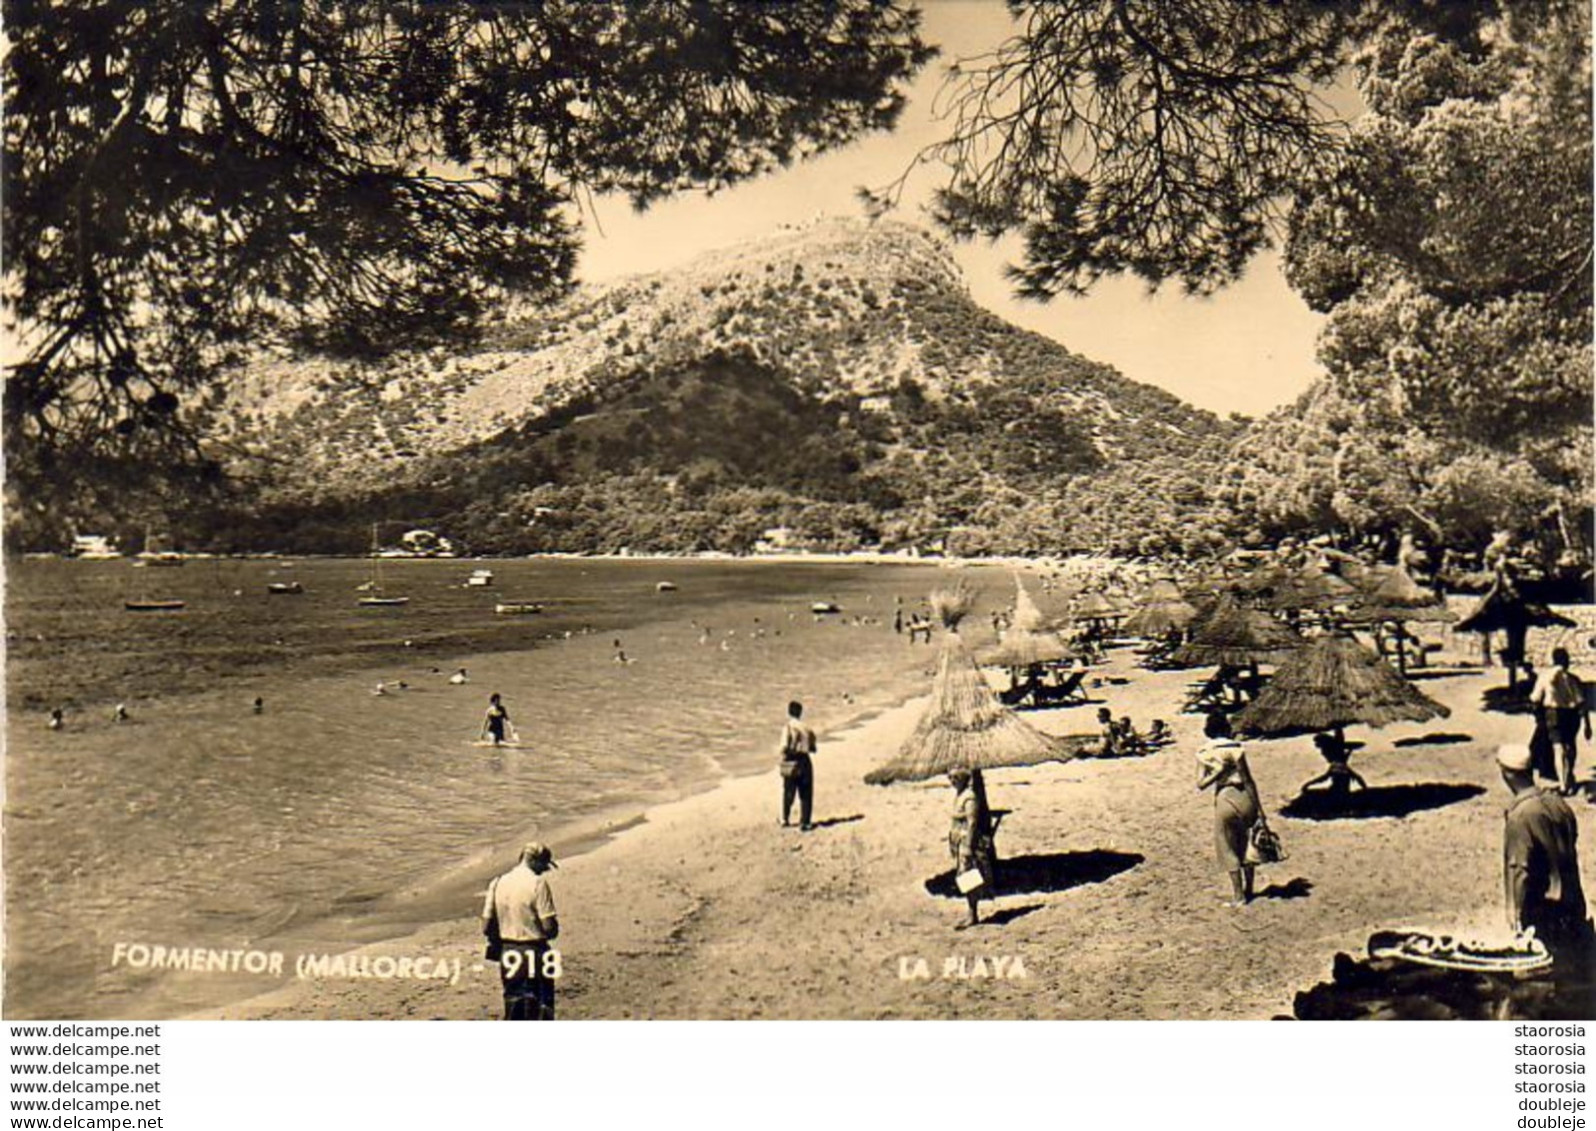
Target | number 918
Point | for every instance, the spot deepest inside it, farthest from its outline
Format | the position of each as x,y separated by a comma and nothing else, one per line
513,960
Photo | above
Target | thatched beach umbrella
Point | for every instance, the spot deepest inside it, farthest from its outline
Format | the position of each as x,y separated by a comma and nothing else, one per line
1027,617
1266,584
965,726
1505,609
1023,649
1333,683
1096,610
1236,635
1164,589
1399,599
1161,617
1315,588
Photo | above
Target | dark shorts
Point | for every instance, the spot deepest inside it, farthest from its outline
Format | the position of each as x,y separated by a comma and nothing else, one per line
528,993
1565,723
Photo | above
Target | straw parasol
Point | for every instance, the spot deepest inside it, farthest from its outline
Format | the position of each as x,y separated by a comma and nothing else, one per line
1505,609
1333,683
1020,648
1164,589
1027,617
1315,588
1400,599
1236,635
1159,617
1096,608
965,726
1265,583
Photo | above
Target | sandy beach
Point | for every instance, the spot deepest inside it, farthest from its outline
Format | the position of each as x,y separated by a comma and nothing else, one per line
1112,904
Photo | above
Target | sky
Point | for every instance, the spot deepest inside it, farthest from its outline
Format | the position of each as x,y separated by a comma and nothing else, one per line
1248,349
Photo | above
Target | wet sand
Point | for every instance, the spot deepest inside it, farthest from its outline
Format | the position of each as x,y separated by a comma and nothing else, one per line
709,909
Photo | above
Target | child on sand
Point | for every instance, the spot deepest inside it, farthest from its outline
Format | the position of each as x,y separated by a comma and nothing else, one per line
1339,774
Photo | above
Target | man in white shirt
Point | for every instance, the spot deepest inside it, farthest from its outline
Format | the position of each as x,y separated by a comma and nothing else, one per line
520,905
1560,694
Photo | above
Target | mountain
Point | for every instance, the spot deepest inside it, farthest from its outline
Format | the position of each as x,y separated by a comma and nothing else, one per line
835,379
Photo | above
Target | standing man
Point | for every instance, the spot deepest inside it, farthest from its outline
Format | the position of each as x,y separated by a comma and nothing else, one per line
1560,695
521,905
797,768
1541,861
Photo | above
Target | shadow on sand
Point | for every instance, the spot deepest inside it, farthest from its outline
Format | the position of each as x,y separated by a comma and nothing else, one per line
1378,801
1436,739
1383,989
1009,914
1052,872
1420,675
1297,888
829,821
1505,702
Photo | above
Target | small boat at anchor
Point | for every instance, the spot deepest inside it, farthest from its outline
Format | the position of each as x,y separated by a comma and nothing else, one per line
479,578
373,596
517,608
284,588
154,606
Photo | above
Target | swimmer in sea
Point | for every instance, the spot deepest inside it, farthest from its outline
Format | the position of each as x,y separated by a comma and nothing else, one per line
496,723
57,718
260,705
120,715
459,677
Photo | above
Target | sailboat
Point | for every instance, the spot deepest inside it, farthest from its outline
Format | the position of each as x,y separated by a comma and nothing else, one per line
150,556
371,592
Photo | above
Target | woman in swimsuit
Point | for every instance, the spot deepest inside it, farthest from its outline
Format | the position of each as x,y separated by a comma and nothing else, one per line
497,722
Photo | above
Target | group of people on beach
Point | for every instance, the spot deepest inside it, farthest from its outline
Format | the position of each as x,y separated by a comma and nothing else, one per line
1543,890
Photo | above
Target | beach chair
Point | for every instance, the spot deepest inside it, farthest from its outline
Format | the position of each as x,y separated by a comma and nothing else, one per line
1208,695
1157,657
1071,691
1017,693
997,816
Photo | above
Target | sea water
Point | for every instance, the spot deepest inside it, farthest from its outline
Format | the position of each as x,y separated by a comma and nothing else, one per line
337,816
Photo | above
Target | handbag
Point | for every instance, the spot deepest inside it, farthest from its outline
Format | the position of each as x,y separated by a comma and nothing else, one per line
1263,846
969,880
495,946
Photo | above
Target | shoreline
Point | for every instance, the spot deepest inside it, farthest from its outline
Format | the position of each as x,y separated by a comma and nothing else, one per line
585,839
708,909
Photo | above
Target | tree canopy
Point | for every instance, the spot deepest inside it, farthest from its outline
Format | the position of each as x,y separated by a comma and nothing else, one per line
1450,246
184,180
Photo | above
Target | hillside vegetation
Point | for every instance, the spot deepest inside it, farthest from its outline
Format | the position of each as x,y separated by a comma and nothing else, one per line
835,380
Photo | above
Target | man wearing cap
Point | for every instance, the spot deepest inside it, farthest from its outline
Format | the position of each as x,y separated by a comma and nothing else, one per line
1541,859
523,906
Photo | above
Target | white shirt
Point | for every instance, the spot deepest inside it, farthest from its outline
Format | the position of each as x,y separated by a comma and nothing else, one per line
520,896
1221,756
1558,688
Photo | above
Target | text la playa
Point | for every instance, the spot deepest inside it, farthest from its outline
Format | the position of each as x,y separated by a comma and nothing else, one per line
959,967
